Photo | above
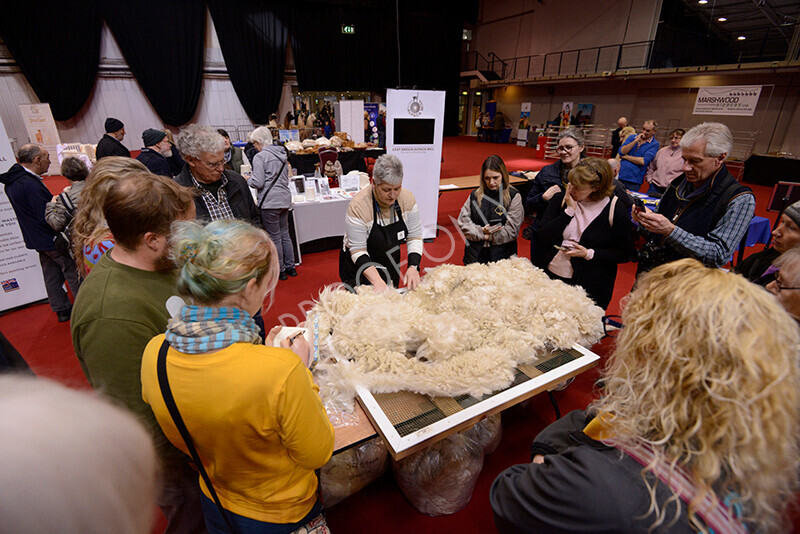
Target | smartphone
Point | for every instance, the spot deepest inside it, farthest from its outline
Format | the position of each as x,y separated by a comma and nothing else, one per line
639,203
496,221
562,248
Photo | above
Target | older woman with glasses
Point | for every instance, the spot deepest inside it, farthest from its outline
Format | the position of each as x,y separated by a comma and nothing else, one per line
786,282
584,234
223,194
552,178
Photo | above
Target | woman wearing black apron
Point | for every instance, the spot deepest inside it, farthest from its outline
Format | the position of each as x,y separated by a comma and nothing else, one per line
379,219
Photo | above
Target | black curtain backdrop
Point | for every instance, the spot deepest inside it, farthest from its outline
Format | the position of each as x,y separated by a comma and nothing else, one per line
430,47
163,44
327,60
57,48
253,42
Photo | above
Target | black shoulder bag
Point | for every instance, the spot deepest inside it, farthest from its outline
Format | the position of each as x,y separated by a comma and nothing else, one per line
169,400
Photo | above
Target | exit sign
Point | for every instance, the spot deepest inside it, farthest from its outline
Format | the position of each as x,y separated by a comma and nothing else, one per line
348,29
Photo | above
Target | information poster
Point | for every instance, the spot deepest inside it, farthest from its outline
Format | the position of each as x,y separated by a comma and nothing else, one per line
20,271
566,113
42,130
524,124
371,125
414,127
738,100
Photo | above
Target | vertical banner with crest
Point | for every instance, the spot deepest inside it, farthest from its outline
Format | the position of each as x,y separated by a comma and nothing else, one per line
414,126
20,270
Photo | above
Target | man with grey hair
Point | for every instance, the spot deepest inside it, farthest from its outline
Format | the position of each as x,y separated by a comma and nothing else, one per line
223,193
786,285
705,212
636,153
29,197
622,122
379,219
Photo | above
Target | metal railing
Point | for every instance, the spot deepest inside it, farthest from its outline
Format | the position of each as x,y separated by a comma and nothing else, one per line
594,60
473,60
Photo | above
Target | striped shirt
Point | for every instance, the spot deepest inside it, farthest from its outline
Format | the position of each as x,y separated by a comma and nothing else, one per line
717,247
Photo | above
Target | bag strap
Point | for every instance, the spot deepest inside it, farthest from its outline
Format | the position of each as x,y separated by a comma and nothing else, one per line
715,515
169,400
614,199
275,181
68,204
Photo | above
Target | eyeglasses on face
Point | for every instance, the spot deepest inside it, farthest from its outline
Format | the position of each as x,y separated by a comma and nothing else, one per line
781,287
566,148
217,165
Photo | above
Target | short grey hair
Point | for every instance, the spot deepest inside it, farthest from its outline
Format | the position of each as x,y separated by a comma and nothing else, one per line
28,153
789,264
717,136
74,169
574,133
195,139
388,170
59,438
261,135
651,121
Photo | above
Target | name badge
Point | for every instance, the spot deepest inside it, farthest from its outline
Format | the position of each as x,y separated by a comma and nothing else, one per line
401,235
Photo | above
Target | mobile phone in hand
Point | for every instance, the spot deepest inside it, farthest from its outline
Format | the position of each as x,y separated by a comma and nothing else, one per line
639,203
563,248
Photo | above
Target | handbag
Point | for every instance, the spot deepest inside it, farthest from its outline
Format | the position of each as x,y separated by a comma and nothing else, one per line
169,400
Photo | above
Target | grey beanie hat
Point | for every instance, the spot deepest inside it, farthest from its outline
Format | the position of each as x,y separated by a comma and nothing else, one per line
793,212
152,137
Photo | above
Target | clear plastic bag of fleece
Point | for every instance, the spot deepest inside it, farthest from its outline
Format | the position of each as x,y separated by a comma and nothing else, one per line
439,479
352,470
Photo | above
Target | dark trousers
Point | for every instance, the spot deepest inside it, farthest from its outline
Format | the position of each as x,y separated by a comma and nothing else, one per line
58,267
180,499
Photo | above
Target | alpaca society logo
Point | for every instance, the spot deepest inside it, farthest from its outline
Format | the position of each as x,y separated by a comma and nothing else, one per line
415,106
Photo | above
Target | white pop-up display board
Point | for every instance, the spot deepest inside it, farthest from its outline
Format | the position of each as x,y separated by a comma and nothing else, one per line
350,118
414,126
20,270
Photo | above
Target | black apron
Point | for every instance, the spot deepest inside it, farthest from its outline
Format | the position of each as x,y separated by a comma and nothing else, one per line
383,247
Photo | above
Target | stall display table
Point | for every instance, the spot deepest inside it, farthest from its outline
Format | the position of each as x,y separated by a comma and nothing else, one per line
462,183
351,160
764,169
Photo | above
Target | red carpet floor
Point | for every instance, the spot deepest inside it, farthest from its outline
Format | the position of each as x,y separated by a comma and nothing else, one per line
47,347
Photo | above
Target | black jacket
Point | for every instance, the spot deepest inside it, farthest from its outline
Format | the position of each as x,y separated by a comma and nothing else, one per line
29,197
754,266
239,197
548,176
155,162
109,146
582,486
611,246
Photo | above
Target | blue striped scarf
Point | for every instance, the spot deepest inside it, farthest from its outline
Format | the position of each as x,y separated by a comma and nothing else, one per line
201,329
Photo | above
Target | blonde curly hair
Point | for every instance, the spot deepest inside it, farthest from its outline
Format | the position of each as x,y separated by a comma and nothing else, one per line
706,373
90,225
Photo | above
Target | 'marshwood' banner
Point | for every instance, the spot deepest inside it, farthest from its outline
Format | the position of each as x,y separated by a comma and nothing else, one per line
20,270
414,126
733,100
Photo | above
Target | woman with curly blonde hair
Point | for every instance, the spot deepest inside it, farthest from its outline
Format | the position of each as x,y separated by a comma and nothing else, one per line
90,235
698,428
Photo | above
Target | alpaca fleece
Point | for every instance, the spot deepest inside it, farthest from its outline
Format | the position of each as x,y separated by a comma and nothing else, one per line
464,330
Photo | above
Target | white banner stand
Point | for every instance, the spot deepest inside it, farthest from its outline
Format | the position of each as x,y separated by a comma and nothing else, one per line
414,126
20,270
350,118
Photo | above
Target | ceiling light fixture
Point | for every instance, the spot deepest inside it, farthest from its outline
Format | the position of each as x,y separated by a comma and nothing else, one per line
741,38
722,19
702,1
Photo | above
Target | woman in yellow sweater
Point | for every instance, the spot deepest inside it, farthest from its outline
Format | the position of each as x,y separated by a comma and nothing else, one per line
253,412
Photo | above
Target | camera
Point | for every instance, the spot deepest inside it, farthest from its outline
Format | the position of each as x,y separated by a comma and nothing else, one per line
651,255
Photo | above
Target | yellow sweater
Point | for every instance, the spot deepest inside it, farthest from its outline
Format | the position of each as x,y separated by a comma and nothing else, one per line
255,416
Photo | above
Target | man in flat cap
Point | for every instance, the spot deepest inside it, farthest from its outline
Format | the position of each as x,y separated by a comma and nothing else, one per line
155,152
111,143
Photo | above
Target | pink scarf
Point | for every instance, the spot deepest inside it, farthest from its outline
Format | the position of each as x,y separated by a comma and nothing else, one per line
585,212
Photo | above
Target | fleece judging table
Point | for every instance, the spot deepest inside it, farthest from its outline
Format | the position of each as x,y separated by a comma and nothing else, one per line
409,422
